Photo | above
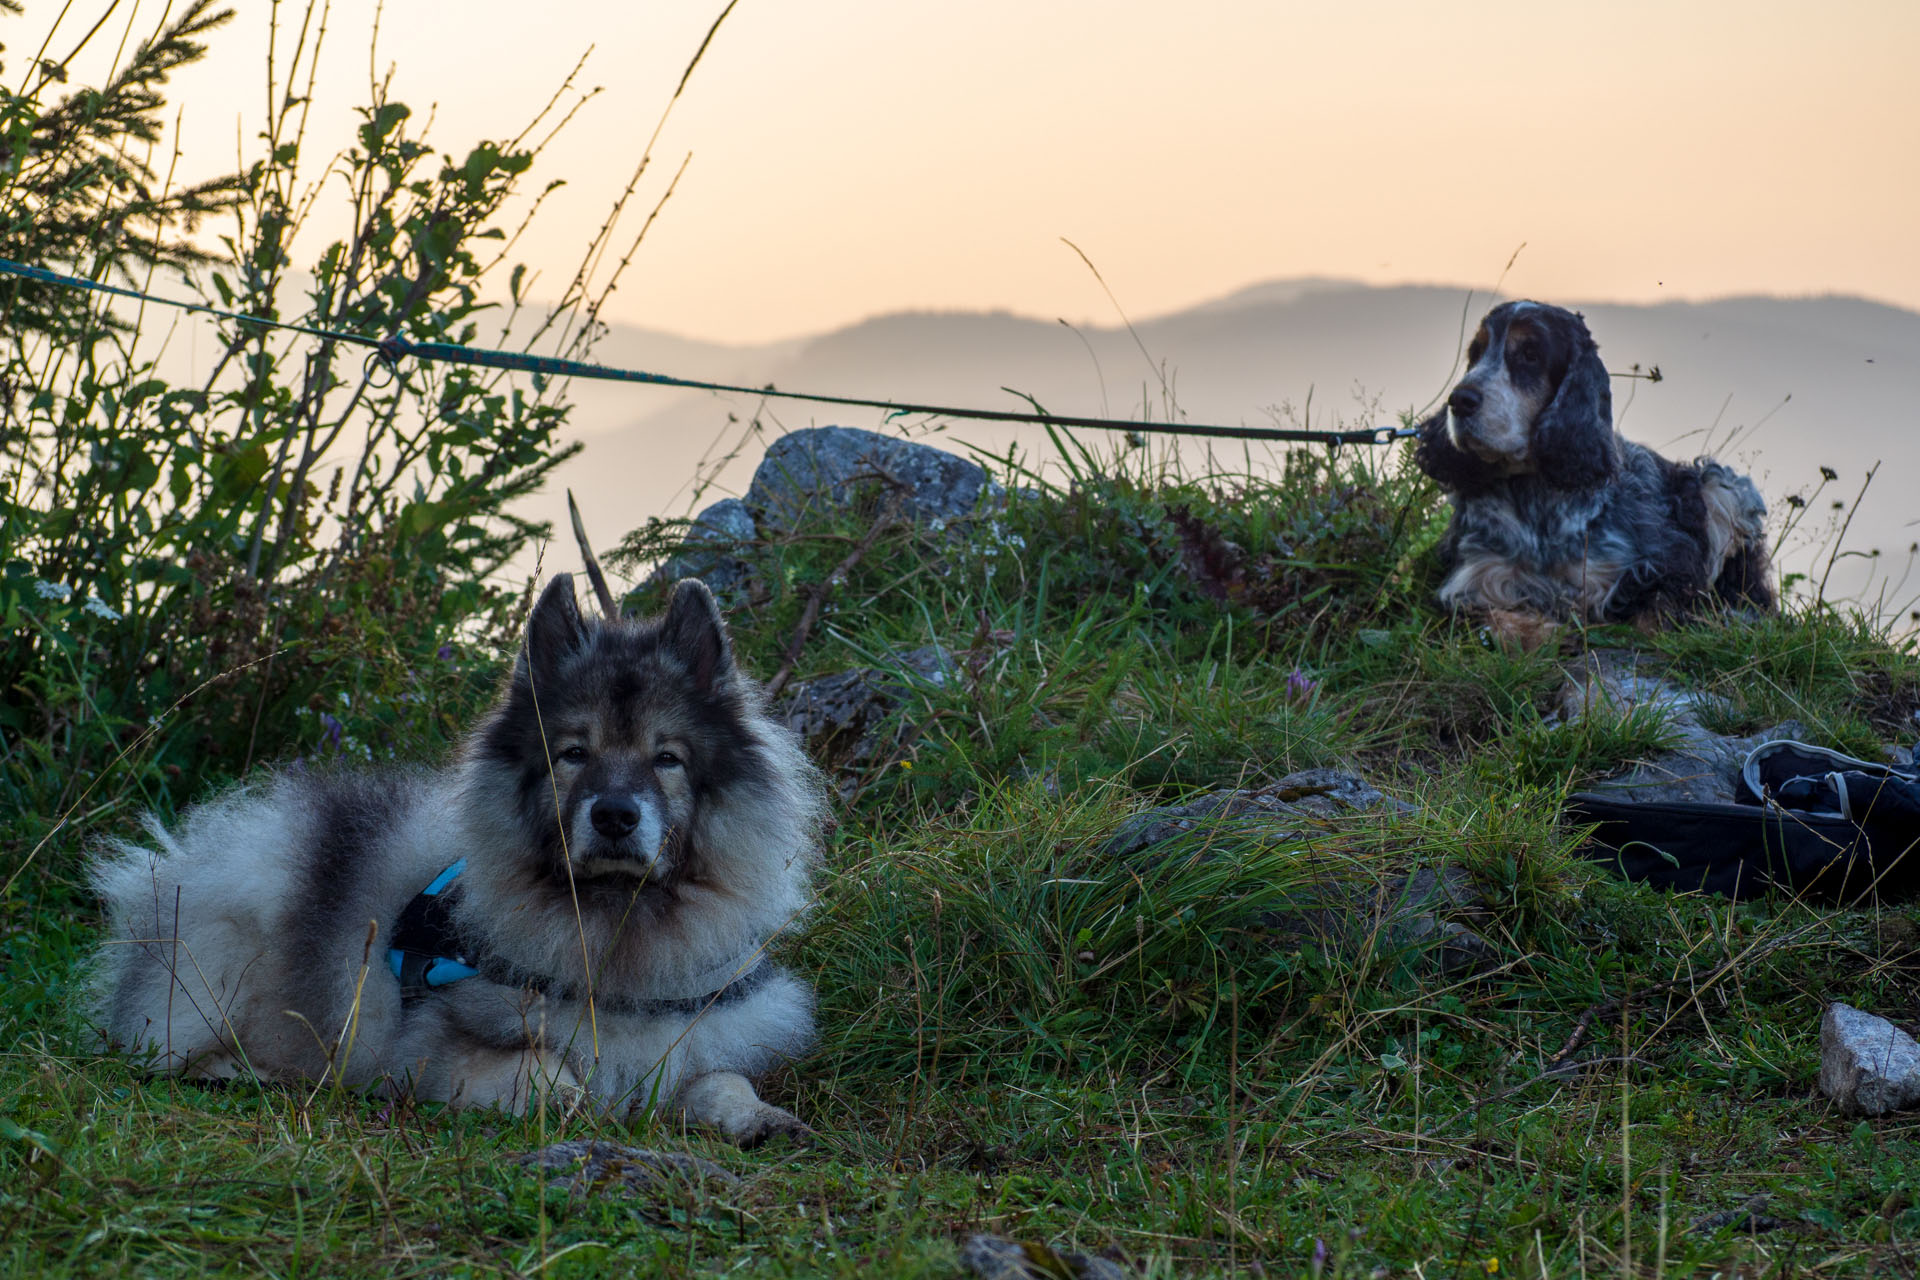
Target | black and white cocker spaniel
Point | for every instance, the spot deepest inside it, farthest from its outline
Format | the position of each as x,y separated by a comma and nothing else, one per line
1555,515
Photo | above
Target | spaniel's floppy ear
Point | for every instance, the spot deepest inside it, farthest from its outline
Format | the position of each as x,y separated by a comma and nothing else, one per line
1456,470
1573,444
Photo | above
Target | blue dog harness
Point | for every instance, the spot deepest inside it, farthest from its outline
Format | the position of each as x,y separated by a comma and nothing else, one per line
427,952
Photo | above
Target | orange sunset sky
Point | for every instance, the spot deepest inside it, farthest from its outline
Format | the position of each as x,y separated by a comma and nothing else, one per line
851,157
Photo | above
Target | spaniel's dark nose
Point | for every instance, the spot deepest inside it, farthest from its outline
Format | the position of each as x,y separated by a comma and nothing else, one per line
614,818
1464,401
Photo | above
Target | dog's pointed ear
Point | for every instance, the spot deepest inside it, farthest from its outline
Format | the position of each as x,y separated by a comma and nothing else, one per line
1456,470
1573,444
554,630
694,631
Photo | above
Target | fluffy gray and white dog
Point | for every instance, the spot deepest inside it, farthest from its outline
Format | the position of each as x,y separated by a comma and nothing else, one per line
1558,517
581,900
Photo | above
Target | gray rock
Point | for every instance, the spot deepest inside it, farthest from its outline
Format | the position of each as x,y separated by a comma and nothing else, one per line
1448,947
713,542
804,469
994,1258
1748,1219
1701,767
592,1167
1867,1065
840,716
1403,913
1623,679
1399,913
1276,811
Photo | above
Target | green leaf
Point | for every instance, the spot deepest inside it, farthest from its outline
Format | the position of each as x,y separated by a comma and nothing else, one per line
384,120
417,518
142,472
235,474
13,1132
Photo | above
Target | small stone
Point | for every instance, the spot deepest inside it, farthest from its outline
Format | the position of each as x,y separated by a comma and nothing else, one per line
590,1167
994,1258
1748,1219
1867,1065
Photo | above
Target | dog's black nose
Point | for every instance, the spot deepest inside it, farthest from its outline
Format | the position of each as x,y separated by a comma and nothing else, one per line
1464,401
613,817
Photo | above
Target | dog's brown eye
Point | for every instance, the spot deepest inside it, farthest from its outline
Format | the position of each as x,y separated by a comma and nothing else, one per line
576,754
666,760
1529,353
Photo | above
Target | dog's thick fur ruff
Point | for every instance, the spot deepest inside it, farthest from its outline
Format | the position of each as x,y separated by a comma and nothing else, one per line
636,828
1558,516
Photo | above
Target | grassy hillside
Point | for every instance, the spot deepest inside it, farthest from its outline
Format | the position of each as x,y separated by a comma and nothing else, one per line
1204,1057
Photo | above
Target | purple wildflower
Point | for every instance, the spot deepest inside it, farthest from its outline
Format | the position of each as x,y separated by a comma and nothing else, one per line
1319,1263
334,729
1301,687
446,653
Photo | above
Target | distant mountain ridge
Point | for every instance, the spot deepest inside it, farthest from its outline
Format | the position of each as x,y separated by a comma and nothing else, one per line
1799,383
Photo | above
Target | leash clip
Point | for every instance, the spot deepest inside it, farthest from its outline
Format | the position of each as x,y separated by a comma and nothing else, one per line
385,359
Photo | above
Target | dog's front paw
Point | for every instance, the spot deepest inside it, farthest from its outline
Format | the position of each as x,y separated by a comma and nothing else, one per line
724,1101
1519,632
768,1121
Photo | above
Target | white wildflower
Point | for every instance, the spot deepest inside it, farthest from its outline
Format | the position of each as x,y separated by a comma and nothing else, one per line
101,609
52,590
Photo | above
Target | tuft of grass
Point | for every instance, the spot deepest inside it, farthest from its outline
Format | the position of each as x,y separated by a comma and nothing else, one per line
1836,672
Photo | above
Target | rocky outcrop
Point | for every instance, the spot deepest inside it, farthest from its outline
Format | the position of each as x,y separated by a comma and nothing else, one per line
804,470
1412,911
713,547
818,468
1701,766
1275,812
840,716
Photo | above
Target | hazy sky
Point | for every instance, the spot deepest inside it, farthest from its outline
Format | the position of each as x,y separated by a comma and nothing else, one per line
858,156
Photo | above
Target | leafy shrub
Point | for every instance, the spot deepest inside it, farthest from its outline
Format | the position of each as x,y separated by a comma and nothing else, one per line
302,530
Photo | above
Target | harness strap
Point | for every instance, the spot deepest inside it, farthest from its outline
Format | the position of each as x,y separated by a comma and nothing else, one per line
428,951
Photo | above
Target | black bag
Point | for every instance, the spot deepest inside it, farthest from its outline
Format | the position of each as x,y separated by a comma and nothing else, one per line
1809,821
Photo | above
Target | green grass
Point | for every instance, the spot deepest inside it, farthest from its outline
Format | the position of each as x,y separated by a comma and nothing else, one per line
1201,1057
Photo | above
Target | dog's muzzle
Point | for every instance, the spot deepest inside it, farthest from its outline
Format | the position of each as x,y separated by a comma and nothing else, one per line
627,836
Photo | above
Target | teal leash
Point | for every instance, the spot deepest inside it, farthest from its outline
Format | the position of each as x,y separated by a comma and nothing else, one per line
391,351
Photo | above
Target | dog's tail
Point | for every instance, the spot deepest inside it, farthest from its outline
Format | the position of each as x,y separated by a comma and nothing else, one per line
594,576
